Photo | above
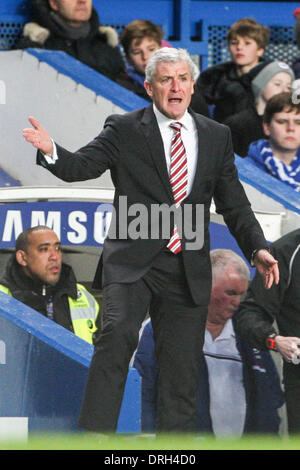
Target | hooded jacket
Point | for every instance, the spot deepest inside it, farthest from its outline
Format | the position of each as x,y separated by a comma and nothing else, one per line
37,295
90,43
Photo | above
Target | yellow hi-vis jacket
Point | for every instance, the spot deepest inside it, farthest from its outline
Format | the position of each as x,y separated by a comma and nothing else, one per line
83,310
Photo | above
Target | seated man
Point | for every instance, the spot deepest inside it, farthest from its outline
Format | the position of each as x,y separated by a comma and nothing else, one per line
73,26
239,386
36,276
279,155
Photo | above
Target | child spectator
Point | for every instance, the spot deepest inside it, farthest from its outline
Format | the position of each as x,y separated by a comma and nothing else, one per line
225,85
140,39
247,125
279,155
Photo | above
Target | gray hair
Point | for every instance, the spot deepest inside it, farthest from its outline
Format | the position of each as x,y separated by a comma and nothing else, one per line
222,259
167,55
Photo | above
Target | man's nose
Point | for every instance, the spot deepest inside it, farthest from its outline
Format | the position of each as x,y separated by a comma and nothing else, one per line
175,85
54,254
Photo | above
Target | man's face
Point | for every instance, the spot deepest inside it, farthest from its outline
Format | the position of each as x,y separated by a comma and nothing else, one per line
245,52
140,53
73,11
43,258
228,287
284,131
172,88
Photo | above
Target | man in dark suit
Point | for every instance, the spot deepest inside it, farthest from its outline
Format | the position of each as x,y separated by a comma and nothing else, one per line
138,149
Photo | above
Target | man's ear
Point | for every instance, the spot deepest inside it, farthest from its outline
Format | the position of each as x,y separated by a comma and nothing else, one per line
21,257
53,5
148,88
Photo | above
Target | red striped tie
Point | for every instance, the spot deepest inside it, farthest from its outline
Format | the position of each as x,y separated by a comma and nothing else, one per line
178,178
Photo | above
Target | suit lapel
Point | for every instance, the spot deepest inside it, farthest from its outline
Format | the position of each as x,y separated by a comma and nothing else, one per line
203,153
153,138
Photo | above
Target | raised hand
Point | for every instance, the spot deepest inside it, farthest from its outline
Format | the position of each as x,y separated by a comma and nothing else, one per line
267,266
38,136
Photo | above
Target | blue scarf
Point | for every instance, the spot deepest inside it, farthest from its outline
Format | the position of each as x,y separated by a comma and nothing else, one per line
136,76
289,174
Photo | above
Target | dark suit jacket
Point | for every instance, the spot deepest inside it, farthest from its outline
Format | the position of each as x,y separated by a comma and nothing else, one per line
131,147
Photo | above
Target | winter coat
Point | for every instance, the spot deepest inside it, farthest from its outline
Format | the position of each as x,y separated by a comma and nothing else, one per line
97,48
264,311
37,295
246,127
229,93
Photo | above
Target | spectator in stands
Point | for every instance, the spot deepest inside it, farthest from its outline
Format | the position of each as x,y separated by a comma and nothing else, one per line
263,313
73,26
279,154
36,276
239,386
247,125
226,85
140,39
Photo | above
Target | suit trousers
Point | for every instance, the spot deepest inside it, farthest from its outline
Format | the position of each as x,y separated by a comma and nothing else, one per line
178,327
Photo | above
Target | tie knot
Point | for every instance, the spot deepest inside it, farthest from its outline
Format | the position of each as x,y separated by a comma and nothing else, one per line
176,126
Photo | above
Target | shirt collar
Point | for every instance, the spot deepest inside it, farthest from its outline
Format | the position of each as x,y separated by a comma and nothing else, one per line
227,331
164,122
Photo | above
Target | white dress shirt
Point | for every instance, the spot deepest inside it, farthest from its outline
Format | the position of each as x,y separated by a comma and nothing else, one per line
189,137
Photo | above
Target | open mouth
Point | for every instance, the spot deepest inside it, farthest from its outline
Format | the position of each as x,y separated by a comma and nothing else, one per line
175,100
54,269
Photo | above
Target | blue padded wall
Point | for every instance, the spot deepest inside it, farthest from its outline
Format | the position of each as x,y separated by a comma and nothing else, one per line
43,370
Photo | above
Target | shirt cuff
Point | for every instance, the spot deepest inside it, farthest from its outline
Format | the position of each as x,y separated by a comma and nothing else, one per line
51,159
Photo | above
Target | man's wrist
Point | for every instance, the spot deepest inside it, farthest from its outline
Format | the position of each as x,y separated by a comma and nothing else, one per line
270,342
254,252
